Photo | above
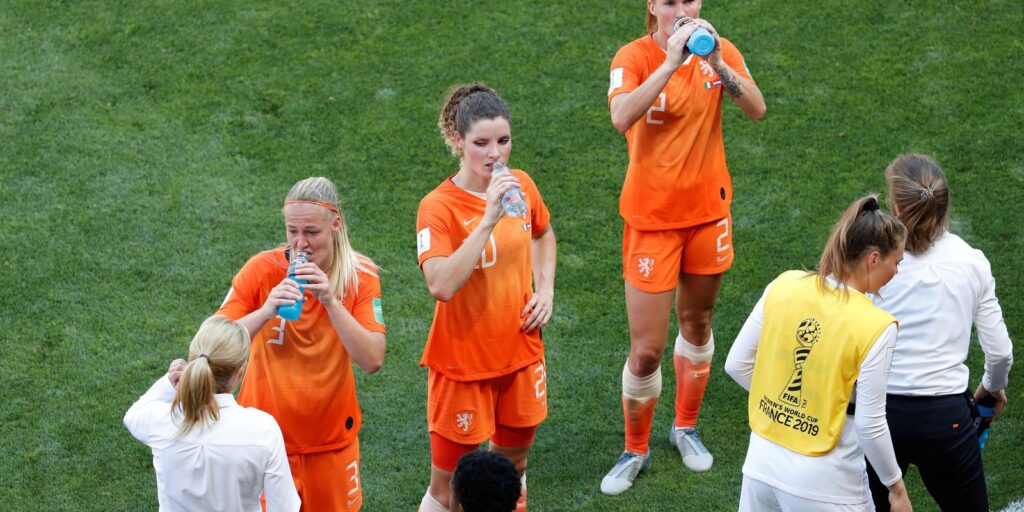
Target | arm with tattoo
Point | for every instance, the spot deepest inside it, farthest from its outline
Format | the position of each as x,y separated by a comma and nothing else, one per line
743,91
729,82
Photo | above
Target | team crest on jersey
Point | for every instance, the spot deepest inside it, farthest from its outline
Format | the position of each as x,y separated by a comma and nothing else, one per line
707,69
645,264
464,421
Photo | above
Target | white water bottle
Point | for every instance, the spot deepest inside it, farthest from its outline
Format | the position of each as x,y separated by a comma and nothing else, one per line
512,201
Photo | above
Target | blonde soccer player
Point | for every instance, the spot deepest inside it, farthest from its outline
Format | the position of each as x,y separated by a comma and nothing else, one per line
677,240
301,370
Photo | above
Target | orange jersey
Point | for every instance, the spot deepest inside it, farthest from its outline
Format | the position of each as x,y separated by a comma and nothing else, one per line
476,335
677,175
299,371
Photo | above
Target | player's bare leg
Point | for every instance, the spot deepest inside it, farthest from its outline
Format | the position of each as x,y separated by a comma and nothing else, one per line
518,456
694,348
439,494
648,315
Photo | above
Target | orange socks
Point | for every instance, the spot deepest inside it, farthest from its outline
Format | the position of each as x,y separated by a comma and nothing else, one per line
639,416
693,366
639,396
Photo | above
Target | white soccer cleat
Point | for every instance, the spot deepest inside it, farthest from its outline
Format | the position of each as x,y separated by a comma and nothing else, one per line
687,441
622,475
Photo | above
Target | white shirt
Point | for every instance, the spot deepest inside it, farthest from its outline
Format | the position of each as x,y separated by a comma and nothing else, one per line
936,296
838,476
222,467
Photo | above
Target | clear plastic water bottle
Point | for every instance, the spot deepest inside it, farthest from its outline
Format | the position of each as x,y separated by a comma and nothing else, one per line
986,412
701,42
512,201
292,311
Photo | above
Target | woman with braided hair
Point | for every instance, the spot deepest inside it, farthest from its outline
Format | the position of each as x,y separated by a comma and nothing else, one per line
493,277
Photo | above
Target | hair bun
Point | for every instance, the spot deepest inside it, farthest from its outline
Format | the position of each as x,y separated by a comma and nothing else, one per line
871,205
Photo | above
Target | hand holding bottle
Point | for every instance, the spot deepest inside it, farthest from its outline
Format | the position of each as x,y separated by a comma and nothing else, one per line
290,288
501,184
699,40
315,281
512,200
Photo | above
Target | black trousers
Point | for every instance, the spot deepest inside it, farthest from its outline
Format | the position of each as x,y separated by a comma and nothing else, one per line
937,435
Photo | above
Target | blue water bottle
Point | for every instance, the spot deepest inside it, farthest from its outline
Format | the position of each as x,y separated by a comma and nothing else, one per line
986,412
512,201
701,42
292,311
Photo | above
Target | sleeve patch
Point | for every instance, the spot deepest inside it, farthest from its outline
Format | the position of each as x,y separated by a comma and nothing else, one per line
422,241
378,310
615,81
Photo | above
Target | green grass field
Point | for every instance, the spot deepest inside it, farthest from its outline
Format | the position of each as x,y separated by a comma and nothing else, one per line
145,149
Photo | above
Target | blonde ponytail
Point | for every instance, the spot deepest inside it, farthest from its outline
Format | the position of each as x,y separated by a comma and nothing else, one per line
217,352
863,227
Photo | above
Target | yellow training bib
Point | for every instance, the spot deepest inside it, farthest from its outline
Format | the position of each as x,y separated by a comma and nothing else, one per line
808,359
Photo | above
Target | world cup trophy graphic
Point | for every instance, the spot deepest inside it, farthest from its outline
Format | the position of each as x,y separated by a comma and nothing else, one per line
807,335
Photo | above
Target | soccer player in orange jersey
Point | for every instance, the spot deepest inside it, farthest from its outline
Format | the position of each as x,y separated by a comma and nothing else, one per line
493,277
677,241
300,371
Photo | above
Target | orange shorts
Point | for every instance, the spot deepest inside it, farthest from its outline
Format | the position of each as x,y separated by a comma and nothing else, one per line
653,260
328,480
469,412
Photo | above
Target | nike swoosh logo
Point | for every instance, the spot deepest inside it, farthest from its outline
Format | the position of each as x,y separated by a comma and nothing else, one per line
722,258
468,222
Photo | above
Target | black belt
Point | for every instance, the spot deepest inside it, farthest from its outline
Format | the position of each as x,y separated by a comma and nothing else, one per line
851,408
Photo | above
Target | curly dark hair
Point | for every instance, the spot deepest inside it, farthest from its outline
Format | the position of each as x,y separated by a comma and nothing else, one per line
485,482
464,105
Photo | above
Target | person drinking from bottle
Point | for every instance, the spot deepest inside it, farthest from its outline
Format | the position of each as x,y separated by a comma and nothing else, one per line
944,287
300,370
492,273
813,345
677,239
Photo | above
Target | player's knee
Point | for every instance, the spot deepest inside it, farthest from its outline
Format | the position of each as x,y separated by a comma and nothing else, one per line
520,465
644,361
696,327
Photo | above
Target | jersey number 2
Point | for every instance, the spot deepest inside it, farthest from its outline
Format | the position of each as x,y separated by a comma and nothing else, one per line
658,106
539,385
